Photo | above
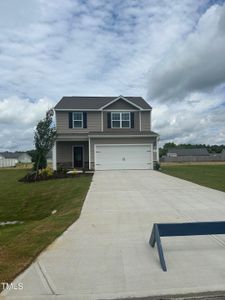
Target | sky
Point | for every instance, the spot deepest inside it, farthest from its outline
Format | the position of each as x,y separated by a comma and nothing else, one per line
170,52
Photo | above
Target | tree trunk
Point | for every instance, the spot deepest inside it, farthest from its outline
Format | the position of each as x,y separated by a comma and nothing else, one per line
37,168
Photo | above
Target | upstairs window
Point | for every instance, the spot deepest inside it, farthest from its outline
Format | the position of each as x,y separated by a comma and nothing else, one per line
120,119
78,120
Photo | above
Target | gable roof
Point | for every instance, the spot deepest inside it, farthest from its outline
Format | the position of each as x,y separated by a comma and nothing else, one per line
123,99
189,152
97,102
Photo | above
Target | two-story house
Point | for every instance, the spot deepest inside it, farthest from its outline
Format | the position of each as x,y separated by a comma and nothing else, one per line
104,133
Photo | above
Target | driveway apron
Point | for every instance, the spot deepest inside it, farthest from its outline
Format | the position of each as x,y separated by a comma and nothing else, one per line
106,255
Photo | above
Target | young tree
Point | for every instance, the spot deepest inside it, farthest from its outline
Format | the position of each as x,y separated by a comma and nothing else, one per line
44,139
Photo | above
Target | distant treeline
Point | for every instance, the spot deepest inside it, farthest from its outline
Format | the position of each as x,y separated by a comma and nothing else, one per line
210,148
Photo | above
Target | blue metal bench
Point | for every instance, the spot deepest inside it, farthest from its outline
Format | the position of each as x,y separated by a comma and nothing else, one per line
182,229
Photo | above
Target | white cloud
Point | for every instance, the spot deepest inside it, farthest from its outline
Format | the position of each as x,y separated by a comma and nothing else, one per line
18,120
18,13
197,119
162,49
194,64
107,47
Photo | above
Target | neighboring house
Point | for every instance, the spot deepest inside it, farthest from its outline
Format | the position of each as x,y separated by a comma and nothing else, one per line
10,159
192,155
104,133
22,157
175,152
218,156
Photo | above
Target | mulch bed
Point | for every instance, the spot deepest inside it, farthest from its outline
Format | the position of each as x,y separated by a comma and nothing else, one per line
31,176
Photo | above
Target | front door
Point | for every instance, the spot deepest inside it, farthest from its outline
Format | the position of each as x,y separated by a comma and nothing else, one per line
78,157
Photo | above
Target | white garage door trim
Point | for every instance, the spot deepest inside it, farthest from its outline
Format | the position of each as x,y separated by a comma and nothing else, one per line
150,163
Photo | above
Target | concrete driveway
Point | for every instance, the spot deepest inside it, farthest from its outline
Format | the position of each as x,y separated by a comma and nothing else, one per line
106,254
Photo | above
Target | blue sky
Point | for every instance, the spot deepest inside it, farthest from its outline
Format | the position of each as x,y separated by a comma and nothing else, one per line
169,52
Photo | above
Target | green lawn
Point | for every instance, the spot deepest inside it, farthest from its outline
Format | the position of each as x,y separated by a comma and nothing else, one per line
33,203
212,176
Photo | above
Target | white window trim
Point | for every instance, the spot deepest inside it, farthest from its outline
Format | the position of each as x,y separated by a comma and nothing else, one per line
102,123
82,119
120,120
140,121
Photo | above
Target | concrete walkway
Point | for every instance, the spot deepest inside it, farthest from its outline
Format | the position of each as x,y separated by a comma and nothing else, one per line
106,254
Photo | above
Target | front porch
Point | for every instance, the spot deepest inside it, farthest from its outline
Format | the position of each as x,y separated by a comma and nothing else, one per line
72,154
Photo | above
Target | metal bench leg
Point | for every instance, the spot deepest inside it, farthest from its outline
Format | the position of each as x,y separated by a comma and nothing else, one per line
152,237
155,238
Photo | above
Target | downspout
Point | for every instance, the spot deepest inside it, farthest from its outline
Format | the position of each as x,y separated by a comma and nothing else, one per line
157,148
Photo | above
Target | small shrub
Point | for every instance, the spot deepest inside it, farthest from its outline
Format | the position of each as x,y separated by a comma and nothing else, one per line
156,165
72,172
46,172
61,170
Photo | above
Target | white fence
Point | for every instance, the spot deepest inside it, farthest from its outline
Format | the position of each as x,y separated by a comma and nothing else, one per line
8,162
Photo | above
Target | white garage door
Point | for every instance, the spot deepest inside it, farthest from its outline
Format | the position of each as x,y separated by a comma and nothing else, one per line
123,157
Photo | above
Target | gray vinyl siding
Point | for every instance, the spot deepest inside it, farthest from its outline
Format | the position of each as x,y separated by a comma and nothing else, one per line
93,122
120,130
64,153
120,104
145,121
143,140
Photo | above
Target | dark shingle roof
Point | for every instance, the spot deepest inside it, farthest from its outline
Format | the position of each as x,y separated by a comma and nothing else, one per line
189,152
7,154
124,132
95,102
